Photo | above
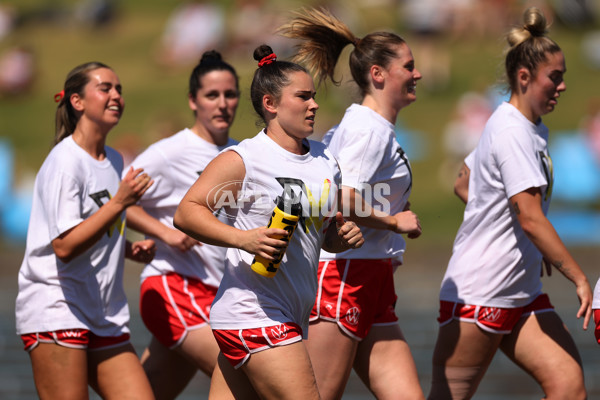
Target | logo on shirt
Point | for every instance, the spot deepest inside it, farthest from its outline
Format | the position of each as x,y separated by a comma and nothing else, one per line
548,172
259,200
119,224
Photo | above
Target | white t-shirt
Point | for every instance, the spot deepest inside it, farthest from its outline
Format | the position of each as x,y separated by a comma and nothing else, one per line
87,292
372,161
246,299
596,300
493,262
174,163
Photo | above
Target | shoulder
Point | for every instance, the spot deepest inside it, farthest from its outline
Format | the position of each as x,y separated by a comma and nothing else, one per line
161,152
114,157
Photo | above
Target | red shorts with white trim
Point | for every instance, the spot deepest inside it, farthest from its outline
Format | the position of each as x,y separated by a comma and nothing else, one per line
597,321
74,338
356,294
492,319
238,344
172,304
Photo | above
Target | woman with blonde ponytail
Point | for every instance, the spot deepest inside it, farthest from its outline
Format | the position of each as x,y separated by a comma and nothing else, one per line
491,296
353,323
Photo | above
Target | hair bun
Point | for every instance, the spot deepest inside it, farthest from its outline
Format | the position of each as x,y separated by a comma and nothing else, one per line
262,51
534,25
211,56
535,22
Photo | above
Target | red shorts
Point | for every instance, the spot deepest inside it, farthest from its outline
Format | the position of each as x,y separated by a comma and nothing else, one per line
75,339
172,304
597,320
492,319
238,344
356,294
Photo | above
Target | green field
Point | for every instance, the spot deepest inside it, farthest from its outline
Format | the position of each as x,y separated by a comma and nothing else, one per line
156,97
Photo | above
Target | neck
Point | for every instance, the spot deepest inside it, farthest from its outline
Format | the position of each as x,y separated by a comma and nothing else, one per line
91,140
523,107
283,139
218,139
380,107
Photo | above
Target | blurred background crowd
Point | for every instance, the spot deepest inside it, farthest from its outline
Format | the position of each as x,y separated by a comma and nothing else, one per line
153,44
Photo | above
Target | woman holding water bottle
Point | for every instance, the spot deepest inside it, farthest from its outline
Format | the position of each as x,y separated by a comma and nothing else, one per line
259,322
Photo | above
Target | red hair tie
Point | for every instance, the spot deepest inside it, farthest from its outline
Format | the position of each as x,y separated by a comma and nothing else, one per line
59,96
267,60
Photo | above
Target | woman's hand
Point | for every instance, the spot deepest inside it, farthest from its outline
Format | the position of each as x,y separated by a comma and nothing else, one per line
179,240
142,251
349,233
407,222
584,293
132,187
264,242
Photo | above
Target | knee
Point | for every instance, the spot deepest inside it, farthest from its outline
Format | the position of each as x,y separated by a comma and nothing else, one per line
454,382
567,388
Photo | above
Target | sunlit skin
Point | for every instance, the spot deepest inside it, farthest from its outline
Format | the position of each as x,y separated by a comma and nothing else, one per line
215,104
538,92
402,78
293,114
102,98
100,107
393,87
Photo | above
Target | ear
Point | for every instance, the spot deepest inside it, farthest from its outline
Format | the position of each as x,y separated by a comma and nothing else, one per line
377,73
269,104
523,76
192,103
76,102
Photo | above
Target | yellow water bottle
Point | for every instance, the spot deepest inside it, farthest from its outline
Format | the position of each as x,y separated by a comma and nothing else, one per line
282,220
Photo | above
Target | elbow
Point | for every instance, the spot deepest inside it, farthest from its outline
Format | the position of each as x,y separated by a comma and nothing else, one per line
528,225
461,192
63,254
179,221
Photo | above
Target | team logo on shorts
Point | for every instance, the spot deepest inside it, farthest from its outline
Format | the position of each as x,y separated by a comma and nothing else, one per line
279,332
352,316
491,314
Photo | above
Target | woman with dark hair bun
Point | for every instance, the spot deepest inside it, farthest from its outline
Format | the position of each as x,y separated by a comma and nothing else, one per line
179,285
491,296
258,319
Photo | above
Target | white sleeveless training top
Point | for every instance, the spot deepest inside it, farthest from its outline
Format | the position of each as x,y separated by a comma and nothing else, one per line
246,299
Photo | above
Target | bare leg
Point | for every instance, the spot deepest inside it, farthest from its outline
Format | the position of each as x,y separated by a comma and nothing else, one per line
282,373
462,354
117,374
59,372
542,346
332,354
385,364
228,383
168,371
201,347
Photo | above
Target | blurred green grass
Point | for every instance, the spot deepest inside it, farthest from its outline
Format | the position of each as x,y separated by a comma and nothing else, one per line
156,99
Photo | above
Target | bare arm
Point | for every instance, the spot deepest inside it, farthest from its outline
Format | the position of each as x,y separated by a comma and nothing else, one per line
363,214
528,208
461,184
195,217
138,219
81,237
